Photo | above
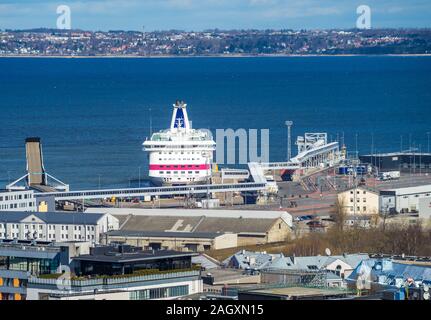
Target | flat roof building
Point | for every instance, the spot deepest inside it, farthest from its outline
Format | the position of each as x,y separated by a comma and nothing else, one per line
35,270
21,259
407,161
122,272
404,200
291,293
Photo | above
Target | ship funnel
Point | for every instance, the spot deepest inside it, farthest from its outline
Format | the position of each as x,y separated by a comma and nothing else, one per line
180,119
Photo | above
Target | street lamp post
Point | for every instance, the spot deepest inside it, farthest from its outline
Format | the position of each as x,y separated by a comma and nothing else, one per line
289,140
428,135
139,183
356,145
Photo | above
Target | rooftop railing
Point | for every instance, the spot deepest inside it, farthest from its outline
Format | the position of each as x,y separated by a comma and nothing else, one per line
109,281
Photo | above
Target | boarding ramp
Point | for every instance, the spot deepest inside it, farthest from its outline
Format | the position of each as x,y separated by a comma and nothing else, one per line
36,177
35,169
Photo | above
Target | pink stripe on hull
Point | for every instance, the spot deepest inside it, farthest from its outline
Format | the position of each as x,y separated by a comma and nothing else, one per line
179,167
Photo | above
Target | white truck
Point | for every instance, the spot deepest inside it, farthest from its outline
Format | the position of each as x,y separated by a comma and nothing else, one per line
390,175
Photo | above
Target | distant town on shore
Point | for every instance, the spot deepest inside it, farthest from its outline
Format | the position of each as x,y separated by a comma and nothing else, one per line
54,42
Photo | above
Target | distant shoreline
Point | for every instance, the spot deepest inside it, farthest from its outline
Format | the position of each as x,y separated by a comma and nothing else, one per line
217,56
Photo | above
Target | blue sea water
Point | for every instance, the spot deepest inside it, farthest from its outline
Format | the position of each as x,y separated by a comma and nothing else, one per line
93,114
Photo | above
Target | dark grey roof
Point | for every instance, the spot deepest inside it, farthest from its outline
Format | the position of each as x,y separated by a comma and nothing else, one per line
134,256
388,192
52,217
164,234
201,224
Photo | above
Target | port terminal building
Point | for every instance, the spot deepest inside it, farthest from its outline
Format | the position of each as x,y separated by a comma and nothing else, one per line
406,161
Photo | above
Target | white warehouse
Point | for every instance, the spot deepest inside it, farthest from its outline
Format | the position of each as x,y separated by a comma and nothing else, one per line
56,226
404,199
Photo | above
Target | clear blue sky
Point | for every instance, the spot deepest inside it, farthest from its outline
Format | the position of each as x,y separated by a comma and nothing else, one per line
205,14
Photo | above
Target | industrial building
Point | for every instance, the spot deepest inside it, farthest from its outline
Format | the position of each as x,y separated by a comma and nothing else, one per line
250,226
408,161
404,200
182,241
425,207
55,226
22,200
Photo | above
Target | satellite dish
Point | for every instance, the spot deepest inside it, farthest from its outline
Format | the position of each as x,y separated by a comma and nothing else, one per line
378,266
426,295
328,251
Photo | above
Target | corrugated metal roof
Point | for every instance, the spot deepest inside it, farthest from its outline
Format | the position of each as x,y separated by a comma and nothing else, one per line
201,224
216,213
163,234
412,190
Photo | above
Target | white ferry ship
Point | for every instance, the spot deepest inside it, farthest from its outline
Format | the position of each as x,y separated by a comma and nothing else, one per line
180,155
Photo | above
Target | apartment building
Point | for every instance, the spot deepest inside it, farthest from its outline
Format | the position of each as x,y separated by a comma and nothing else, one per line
56,226
22,200
359,201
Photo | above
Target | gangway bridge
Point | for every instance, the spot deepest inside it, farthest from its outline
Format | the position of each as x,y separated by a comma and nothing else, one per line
36,177
153,191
